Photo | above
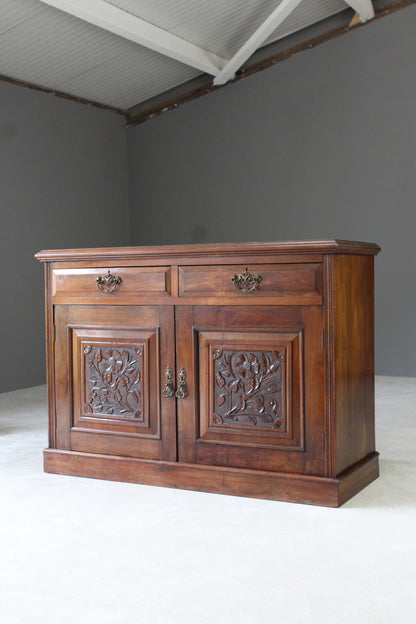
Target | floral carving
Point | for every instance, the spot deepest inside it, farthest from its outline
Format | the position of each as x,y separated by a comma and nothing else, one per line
246,365
248,388
112,381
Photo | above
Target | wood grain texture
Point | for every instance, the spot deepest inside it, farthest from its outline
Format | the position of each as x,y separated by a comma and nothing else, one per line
278,400
358,477
82,282
211,249
111,379
50,357
249,396
351,360
297,329
111,328
311,490
248,387
277,280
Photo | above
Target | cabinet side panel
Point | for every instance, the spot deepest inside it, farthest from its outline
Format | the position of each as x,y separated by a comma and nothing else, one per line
63,379
351,337
50,349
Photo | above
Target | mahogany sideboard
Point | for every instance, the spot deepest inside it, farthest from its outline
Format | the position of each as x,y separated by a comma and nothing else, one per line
243,369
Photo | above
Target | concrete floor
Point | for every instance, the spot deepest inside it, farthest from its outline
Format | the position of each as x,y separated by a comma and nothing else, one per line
93,552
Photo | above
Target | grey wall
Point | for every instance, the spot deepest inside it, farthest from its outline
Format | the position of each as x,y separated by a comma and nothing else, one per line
322,145
63,183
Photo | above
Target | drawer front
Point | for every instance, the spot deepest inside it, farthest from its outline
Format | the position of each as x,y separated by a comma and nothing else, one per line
259,280
110,284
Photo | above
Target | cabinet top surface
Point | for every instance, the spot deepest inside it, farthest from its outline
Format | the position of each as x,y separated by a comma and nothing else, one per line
325,246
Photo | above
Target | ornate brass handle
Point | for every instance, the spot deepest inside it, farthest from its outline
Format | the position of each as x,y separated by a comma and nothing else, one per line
108,283
246,282
182,390
168,389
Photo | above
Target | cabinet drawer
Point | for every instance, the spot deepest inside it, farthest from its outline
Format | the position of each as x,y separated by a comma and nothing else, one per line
266,280
113,283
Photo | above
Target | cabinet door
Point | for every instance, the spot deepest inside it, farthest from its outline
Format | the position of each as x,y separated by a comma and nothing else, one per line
255,387
109,365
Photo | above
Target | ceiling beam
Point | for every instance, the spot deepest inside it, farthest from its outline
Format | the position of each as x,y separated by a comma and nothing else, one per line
364,8
255,41
128,26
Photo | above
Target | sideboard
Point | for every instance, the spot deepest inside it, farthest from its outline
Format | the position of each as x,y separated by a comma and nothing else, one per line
243,369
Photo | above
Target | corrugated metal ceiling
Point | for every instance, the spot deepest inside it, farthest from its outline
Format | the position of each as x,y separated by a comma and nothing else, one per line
47,47
44,46
222,27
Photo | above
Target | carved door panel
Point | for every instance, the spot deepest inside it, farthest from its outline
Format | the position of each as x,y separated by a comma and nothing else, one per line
255,387
109,397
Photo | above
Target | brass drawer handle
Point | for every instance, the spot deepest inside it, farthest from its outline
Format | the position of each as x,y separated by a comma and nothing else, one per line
182,390
246,282
108,283
168,389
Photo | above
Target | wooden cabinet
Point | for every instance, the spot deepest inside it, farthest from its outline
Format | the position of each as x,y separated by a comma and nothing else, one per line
108,386
250,379
239,368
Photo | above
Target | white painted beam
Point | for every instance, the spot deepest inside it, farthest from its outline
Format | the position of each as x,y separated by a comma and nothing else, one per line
364,8
265,30
119,22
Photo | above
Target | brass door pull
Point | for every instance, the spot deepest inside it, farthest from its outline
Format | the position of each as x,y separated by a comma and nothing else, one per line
168,389
246,282
182,390
108,283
